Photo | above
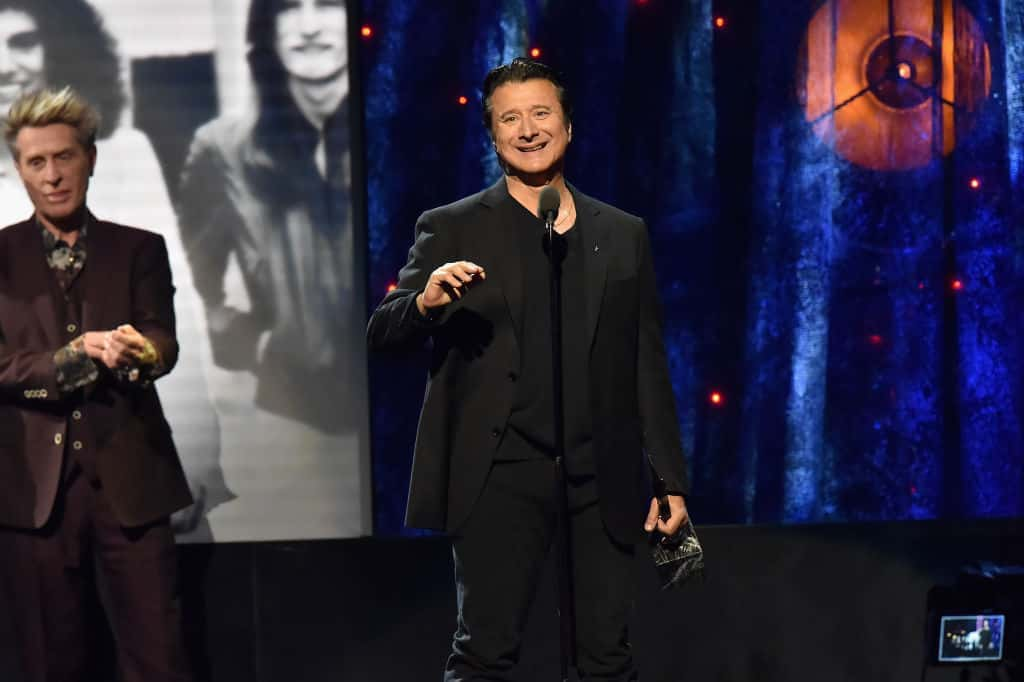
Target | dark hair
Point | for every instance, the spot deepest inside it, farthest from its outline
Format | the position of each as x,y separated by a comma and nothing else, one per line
268,73
519,70
78,51
281,132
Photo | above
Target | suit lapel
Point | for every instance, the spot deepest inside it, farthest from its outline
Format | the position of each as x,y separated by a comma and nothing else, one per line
32,276
95,276
595,262
498,245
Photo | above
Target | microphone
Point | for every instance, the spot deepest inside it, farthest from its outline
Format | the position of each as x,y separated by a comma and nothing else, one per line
547,209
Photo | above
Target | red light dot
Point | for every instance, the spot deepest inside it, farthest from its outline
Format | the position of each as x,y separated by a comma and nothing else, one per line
535,52
875,339
957,285
975,183
463,100
716,398
719,22
366,31
913,490
392,287
920,286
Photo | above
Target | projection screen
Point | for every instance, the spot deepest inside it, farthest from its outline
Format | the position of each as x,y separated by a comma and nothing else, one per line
231,134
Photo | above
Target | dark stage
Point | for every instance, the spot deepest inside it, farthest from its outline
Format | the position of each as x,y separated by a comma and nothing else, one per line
824,602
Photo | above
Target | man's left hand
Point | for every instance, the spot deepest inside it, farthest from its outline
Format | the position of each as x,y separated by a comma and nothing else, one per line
677,505
126,347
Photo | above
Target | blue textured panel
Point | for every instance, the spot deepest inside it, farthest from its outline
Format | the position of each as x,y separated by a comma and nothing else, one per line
815,294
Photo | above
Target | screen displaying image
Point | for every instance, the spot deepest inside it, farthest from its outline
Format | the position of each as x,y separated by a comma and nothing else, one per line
971,638
228,130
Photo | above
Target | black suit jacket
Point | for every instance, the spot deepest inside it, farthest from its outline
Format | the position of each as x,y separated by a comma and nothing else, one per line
476,356
126,279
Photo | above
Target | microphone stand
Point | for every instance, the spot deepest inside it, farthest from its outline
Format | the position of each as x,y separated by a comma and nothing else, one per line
563,539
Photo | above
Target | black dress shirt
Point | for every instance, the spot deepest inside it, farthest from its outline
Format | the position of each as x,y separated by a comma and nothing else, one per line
531,432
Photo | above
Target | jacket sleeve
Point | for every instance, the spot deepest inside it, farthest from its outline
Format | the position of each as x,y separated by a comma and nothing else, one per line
206,216
28,376
659,422
153,299
211,224
397,322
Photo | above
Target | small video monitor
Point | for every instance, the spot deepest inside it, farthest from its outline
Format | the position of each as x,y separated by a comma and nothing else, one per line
971,638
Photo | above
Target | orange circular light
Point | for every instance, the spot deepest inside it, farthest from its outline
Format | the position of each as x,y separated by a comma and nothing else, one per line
716,398
957,285
720,22
392,287
975,183
366,31
535,52
871,91
463,100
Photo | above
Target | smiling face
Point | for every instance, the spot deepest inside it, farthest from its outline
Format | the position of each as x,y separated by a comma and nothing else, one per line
55,167
21,56
312,38
529,129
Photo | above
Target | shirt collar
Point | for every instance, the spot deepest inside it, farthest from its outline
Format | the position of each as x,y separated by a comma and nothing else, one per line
51,242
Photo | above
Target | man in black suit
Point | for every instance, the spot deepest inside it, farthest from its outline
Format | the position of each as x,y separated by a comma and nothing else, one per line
476,283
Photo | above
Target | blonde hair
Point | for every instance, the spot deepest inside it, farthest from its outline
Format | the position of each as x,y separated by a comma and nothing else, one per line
48,107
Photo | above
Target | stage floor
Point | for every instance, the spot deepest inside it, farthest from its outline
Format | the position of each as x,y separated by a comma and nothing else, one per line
779,604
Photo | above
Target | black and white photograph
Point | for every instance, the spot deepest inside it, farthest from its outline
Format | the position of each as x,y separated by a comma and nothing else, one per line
225,129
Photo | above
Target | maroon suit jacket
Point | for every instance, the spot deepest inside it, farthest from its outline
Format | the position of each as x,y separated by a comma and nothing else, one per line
126,279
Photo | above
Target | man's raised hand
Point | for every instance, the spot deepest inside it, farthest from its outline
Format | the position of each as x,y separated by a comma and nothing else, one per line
448,283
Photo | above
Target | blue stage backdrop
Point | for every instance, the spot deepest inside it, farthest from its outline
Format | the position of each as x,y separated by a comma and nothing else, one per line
829,187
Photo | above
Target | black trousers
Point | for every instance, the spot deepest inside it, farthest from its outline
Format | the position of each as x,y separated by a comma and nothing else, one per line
48,575
499,559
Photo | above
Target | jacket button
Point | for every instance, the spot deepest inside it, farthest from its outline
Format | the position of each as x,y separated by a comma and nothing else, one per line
72,328
58,438
77,445
76,415
495,432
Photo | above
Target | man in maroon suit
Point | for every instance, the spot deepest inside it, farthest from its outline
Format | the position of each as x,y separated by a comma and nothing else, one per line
88,470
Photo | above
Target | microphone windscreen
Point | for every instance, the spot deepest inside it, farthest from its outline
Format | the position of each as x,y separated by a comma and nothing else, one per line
550,200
